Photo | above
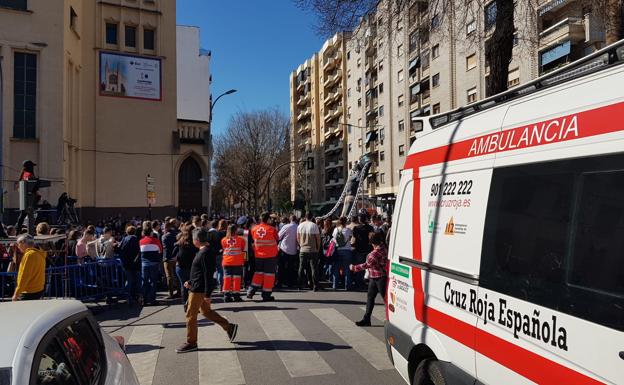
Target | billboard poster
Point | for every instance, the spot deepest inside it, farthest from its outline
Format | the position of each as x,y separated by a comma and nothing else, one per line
130,76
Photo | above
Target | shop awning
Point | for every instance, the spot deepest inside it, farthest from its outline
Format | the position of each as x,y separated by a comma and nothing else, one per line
555,53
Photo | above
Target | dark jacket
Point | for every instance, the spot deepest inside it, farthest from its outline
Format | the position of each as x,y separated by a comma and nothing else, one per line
129,253
168,243
360,235
185,255
202,271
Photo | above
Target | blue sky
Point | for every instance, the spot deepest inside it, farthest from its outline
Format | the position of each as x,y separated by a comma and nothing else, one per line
255,45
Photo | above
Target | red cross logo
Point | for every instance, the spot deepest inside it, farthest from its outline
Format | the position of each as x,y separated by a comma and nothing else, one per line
261,232
231,242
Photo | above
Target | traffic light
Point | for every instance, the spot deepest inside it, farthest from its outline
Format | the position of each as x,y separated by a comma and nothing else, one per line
310,163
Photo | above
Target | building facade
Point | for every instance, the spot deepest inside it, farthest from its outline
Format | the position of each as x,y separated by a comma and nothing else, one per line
319,124
90,95
193,137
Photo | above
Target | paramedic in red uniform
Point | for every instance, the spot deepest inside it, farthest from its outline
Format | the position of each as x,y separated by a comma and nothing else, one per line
265,239
233,261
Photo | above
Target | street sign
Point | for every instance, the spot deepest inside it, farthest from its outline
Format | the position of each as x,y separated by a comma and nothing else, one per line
151,188
150,179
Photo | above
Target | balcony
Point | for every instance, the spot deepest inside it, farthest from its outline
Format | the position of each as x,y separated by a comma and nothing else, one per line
305,144
334,182
370,46
331,78
303,128
334,146
329,96
569,29
334,164
329,113
304,113
190,132
303,99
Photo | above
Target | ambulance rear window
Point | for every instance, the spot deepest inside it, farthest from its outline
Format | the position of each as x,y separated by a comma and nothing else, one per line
554,236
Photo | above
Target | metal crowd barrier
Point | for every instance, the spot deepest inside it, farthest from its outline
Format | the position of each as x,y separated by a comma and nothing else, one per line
88,282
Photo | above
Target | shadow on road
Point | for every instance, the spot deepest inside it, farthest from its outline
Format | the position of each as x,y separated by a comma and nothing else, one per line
283,345
326,301
253,308
141,348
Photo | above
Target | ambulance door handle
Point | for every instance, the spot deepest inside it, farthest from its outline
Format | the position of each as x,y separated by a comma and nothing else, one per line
622,354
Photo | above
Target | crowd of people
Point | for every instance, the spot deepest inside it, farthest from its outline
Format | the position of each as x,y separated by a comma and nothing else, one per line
238,257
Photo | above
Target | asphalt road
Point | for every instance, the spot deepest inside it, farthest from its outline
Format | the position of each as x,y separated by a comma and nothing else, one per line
302,338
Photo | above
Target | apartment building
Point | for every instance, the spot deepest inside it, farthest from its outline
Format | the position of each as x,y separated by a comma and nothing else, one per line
568,30
89,94
409,64
318,127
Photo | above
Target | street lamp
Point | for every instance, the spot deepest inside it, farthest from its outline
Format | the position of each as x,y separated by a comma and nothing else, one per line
228,92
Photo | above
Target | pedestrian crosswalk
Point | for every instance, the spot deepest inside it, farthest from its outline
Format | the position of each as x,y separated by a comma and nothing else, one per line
379,312
293,344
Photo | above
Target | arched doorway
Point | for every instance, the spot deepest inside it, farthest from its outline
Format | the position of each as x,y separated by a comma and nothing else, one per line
190,185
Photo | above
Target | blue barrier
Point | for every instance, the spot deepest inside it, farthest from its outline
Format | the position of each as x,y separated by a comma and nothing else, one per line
88,282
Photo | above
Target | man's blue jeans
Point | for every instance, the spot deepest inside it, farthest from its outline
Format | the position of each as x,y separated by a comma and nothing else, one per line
183,276
150,272
133,284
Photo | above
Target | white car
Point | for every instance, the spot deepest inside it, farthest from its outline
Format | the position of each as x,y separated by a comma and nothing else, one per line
58,342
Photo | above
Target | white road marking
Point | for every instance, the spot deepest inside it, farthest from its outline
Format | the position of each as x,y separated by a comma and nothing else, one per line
143,348
367,345
298,356
379,312
219,364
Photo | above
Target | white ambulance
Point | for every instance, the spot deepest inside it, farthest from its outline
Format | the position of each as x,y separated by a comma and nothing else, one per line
507,249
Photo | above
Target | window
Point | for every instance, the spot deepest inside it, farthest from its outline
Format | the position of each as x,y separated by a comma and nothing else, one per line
413,41
401,100
73,18
359,62
435,51
490,15
435,21
111,33
435,80
402,150
513,79
14,4
471,61
53,367
401,125
130,33
148,39
348,55
381,110
349,143
348,74
349,112
380,64
414,90
436,108
400,75
360,142
471,95
381,88
24,95
552,237
382,156
360,102
382,178
471,26
348,91
83,349
349,128
424,60
400,50
515,39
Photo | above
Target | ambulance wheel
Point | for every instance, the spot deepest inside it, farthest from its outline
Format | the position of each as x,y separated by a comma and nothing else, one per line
428,372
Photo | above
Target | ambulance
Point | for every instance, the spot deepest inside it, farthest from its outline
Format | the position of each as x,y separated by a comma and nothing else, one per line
507,248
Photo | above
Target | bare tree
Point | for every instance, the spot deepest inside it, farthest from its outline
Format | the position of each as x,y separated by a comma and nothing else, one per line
254,143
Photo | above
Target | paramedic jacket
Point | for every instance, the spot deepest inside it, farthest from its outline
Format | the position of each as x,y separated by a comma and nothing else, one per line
202,270
151,249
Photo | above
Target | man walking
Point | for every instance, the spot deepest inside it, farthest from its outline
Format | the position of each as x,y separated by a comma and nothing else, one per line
31,272
309,240
287,253
151,258
265,240
201,285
